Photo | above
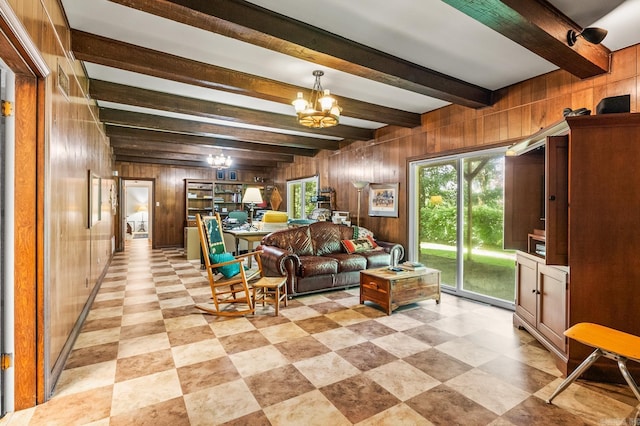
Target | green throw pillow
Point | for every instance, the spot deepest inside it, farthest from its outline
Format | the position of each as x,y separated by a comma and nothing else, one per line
227,270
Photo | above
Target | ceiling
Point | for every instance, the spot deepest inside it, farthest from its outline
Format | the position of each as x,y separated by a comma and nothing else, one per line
176,80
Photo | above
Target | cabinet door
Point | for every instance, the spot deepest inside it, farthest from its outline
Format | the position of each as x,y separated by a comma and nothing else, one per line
552,304
523,198
557,196
526,289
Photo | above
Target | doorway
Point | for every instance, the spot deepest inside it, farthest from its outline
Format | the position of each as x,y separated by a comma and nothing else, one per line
137,211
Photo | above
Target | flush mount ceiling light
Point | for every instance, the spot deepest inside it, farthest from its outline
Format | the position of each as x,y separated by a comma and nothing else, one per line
592,35
219,161
321,110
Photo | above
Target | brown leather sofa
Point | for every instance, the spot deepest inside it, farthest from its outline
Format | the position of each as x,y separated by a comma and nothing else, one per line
313,258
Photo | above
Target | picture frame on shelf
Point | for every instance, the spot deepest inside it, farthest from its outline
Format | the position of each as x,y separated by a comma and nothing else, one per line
233,175
220,174
383,199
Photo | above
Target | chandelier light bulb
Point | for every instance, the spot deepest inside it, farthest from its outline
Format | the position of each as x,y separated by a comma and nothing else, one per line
321,110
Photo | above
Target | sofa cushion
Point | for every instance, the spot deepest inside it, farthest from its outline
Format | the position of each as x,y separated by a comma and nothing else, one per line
295,240
376,258
349,262
326,237
317,265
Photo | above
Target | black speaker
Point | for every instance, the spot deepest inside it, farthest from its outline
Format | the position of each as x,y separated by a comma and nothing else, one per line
614,104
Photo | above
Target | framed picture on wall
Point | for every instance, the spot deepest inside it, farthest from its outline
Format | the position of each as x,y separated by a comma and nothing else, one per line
94,199
383,199
220,175
233,175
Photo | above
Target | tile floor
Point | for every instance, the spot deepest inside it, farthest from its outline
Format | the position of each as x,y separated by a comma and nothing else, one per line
146,356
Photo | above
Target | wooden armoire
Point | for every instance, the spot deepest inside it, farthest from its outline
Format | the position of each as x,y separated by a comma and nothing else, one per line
572,210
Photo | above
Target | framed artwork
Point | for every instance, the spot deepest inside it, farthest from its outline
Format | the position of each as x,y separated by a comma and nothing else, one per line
62,82
233,175
383,199
220,175
94,199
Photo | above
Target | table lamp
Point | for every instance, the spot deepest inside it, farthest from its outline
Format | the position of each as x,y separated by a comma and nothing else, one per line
252,197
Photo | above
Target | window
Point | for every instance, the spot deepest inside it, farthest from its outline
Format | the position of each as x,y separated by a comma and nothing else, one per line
299,193
456,211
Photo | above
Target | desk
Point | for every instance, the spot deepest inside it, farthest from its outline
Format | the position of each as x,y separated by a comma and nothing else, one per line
249,236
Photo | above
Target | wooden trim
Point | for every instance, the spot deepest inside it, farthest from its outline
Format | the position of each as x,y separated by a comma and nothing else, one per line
29,67
27,309
44,389
25,49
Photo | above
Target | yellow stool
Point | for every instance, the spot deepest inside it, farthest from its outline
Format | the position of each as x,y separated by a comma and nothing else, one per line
610,343
270,290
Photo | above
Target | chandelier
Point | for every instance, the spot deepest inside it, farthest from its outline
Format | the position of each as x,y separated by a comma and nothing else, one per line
219,161
321,110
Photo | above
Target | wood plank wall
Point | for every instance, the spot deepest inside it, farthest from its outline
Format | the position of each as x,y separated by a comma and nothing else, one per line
169,216
75,255
521,110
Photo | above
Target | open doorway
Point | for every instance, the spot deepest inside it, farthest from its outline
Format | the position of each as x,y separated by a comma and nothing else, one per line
137,209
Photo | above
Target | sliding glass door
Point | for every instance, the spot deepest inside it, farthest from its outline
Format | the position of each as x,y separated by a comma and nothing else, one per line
456,214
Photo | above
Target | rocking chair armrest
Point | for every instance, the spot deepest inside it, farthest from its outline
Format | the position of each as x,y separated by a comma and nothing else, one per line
250,254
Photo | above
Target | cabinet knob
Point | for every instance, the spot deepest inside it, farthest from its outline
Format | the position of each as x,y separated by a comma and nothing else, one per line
552,198
533,291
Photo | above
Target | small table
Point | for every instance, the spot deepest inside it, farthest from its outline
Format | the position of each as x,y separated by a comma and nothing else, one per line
249,236
391,290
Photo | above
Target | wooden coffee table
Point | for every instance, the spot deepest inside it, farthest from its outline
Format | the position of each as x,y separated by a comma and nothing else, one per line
391,290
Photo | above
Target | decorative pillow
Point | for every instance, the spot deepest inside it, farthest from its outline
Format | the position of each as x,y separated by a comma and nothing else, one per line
357,246
360,232
372,241
227,270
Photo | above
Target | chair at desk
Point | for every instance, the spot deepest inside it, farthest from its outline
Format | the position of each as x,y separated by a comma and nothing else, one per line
228,279
238,216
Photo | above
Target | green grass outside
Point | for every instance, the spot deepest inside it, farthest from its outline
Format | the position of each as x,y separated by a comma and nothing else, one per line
490,273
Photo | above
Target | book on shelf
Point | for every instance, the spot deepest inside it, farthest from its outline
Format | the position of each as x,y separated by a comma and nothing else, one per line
412,266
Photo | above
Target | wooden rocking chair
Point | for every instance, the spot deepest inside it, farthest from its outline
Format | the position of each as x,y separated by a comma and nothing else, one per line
228,278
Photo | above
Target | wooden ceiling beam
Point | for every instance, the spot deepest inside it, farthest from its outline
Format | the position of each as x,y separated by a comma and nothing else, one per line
542,29
129,95
242,164
162,161
193,148
113,53
150,121
130,133
253,24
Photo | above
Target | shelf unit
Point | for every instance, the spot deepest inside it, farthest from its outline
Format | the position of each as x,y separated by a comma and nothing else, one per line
228,196
198,199
326,199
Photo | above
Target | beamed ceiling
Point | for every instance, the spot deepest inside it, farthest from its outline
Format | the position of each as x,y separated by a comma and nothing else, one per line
176,80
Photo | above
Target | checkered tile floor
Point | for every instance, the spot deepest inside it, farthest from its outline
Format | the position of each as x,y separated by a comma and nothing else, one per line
147,356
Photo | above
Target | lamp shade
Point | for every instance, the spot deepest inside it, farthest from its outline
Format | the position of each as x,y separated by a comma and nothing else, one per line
360,184
252,195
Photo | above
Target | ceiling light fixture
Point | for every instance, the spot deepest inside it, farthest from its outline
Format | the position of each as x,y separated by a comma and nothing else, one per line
219,161
592,35
321,110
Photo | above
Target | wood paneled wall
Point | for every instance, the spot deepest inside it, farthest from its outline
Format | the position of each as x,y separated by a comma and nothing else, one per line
169,215
71,142
521,110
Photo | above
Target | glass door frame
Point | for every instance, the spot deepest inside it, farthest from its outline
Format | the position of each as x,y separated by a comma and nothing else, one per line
413,238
